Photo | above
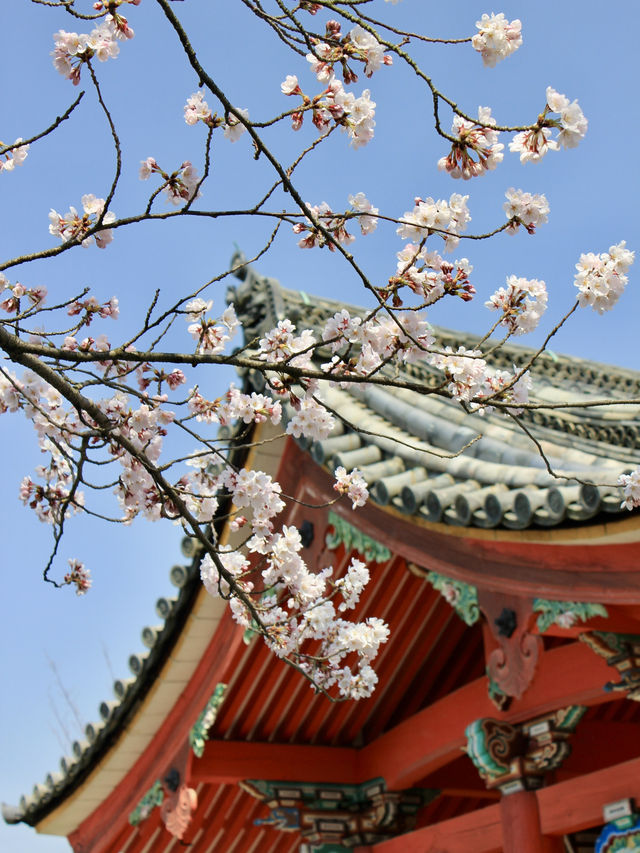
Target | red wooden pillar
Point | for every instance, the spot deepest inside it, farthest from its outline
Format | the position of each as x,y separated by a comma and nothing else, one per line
521,831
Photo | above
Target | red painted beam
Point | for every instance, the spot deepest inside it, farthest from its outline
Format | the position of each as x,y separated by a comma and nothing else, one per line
577,803
232,761
569,675
564,808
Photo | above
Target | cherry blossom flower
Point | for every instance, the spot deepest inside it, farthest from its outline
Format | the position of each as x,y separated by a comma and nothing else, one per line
369,221
505,387
573,124
473,138
522,303
631,485
290,85
602,278
73,226
311,420
14,157
352,484
496,38
428,216
532,145
464,369
71,50
234,128
525,209
197,109
366,47
78,576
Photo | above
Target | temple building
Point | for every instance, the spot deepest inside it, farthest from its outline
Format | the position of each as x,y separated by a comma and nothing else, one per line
506,716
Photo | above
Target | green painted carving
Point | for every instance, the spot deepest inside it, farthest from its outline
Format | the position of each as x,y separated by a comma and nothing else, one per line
147,804
328,797
618,644
491,745
461,596
352,538
200,730
568,718
565,613
620,836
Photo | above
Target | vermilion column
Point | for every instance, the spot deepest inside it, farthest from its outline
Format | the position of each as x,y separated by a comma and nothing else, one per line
521,832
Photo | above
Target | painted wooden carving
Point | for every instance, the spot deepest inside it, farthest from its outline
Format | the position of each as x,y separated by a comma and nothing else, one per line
513,757
621,651
349,815
177,810
512,650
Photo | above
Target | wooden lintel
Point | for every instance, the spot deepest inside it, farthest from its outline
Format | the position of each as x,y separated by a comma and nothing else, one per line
434,736
564,808
569,675
234,761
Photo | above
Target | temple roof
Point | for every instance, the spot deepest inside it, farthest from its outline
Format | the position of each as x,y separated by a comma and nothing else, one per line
428,457
414,450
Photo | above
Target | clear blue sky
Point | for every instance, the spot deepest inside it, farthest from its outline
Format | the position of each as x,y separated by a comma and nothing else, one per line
577,47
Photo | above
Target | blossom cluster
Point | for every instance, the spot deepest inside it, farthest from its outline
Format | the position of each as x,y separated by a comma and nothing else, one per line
197,109
429,276
359,44
335,223
74,226
180,186
464,370
527,209
235,406
71,50
352,484
13,157
379,339
533,144
602,278
496,38
473,139
12,304
447,218
334,104
297,607
522,303
631,485
78,576
512,388
212,336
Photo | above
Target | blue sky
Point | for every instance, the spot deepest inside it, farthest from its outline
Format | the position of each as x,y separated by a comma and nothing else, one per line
576,47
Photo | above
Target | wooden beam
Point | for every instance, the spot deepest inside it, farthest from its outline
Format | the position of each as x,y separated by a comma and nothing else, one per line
577,803
569,675
564,808
232,761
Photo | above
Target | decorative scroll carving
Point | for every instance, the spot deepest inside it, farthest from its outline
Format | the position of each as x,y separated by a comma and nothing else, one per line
565,614
349,815
177,810
512,650
461,596
513,757
621,651
346,534
200,730
147,804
